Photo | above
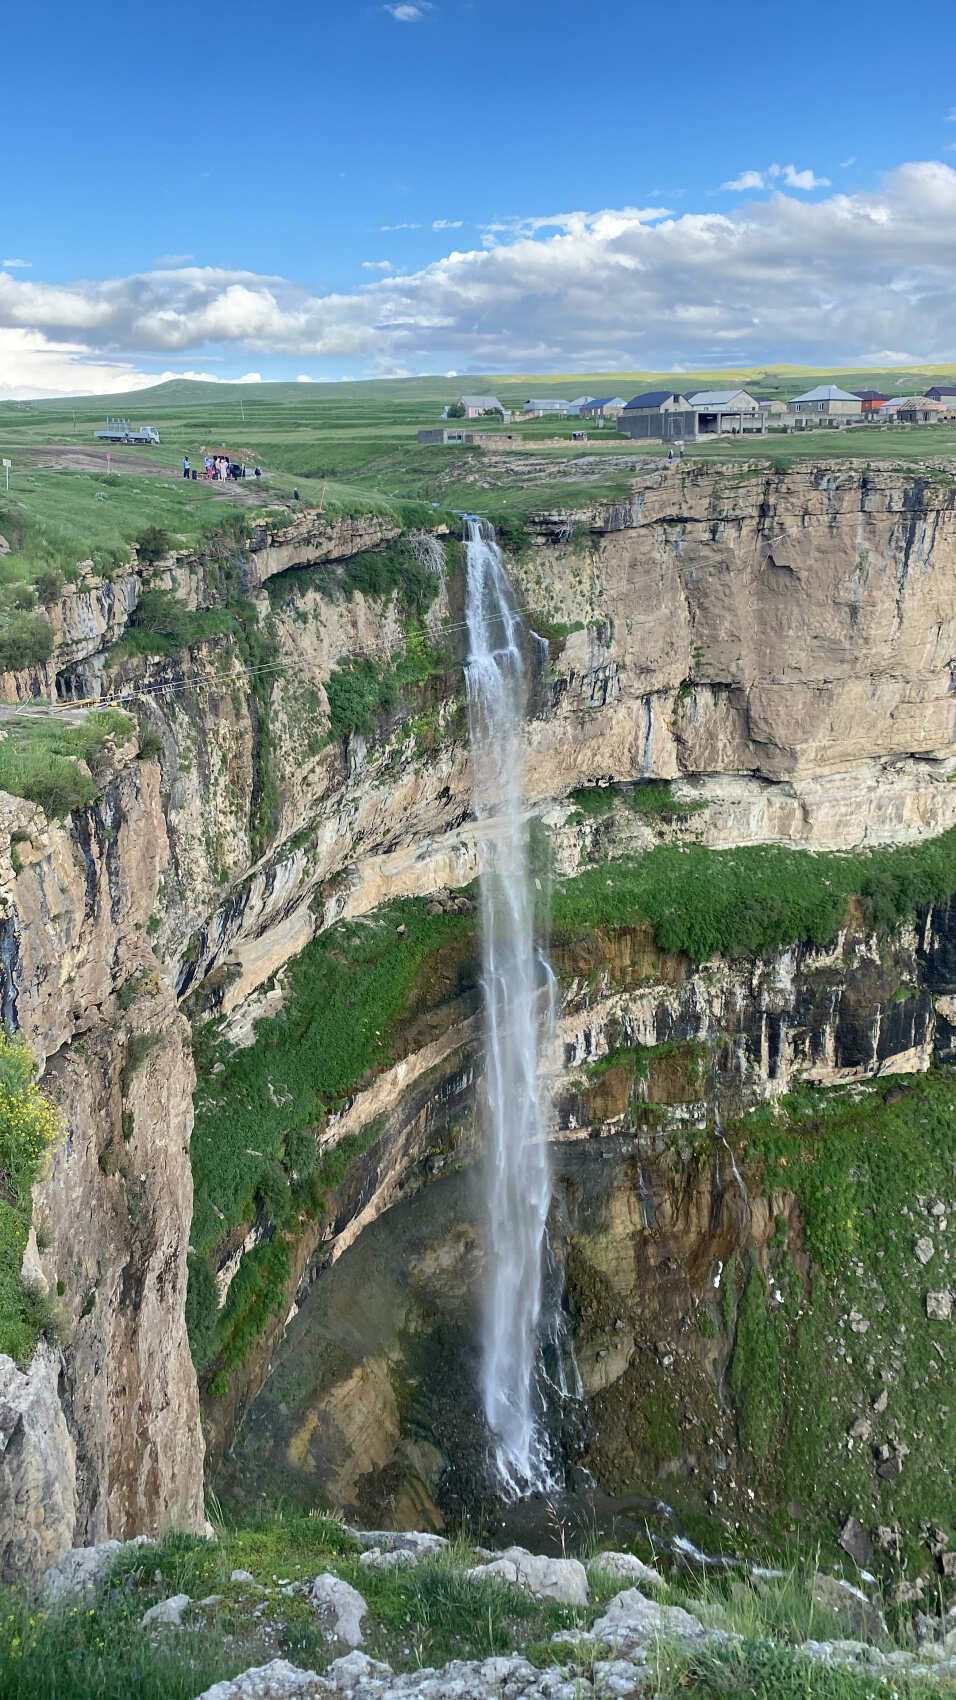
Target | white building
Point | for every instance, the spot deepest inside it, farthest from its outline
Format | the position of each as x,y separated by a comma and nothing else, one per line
733,411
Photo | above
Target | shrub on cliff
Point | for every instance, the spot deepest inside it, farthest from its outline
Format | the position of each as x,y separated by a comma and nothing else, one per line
26,640
28,1126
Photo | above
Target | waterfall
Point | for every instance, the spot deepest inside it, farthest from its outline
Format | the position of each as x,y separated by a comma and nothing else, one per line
518,989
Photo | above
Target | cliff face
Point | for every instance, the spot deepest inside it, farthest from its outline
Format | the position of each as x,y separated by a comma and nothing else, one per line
780,646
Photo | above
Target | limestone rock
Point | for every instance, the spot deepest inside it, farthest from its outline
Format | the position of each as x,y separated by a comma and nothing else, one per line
37,1469
419,1544
924,1249
242,1576
83,1569
628,1568
561,1579
939,1306
167,1614
850,1604
340,1607
397,1559
277,1680
632,1619
348,1673
855,1541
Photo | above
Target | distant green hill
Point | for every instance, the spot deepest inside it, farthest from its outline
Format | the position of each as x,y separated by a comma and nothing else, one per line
510,387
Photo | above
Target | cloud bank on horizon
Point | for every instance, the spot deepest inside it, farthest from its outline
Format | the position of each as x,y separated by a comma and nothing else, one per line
851,278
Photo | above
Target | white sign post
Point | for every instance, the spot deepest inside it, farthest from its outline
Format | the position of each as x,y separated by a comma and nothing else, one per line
6,468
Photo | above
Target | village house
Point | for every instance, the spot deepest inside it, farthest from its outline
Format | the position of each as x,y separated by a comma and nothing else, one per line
477,406
827,400
871,401
542,408
663,414
918,410
720,411
943,392
603,407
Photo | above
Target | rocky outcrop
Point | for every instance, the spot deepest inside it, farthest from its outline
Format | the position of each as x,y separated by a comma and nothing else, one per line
37,1468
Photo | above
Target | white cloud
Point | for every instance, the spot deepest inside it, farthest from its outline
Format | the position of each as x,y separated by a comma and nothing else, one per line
787,174
175,259
795,179
376,265
384,227
409,14
746,180
778,278
846,163
447,223
16,265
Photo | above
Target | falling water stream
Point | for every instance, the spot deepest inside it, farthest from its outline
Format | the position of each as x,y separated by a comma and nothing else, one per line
518,991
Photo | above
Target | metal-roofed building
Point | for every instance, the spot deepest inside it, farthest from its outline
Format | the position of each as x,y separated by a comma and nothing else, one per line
476,406
829,400
732,411
602,407
663,415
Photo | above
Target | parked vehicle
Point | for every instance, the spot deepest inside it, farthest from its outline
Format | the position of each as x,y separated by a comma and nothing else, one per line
122,431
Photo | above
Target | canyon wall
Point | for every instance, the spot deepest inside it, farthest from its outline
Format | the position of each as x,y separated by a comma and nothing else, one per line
779,646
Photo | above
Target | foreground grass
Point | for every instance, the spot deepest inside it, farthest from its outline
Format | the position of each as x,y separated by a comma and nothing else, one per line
426,1615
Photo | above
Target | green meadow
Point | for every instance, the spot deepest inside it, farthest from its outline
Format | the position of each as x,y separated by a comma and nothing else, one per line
352,447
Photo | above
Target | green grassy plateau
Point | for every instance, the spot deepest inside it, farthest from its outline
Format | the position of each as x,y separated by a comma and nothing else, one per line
352,447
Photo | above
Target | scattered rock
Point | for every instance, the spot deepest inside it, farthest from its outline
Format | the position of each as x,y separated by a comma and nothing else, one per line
346,1674
400,1540
242,1576
629,1568
631,1618
858,1323
376,1559
889,1539
849,1604
881,1401
855,1541
908,1591
277,1680
340,1607
947,1561
939,1306
84,1568
561,1579
861,1429
924,1249
167,1614
4,546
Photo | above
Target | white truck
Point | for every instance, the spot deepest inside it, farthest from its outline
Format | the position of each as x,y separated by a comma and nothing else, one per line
122,431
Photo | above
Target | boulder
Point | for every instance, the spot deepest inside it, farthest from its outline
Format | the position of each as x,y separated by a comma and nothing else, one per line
347,1673
376,1559
401,1540
856,1542
277,1680
924,1249
939,1306
857,1613
562,1579
167,1614
340,1607
632,1619
84,1568
628,1568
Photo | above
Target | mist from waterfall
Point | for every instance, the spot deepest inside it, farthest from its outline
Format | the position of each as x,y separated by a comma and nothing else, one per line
518,989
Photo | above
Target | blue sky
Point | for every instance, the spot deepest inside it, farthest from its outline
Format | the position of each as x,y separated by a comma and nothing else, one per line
244,188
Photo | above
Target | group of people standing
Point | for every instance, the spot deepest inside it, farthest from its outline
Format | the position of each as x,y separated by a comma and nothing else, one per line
219,468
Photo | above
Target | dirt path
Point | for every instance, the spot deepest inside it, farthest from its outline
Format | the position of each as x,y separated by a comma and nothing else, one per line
87,457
